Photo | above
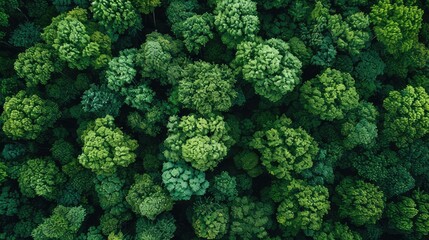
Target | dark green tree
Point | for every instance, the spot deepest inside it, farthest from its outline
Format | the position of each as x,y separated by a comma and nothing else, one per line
361,202
64,223
147,198
40,177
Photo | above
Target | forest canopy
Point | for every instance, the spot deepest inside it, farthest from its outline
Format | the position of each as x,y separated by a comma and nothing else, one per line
217,119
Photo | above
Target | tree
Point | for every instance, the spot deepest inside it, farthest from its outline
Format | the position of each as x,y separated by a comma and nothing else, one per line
317,35
153,119
9,87
41,11
9,201
360,126
13,151
416,157
203,152
156,55
250,218
302,207
111,193
197,31
106,147
407,116
402,64
92,234
409,214
207,88
401,214
300,50
162,228
101,101
269,66
148,199
322,171
386,169
25,35
146,6
330,95
3,172
120,71
236,20
140,97
63,151
224,187
349,29
183,181
90,48
64,89
210,220
421,79
40,177
36,65
6,8
352,33
178,11
203,142
396,24
110,223
27,116
65,5
361,202
326,54
369,67
116,16
274,4
285,151
249,161
335,230
64,223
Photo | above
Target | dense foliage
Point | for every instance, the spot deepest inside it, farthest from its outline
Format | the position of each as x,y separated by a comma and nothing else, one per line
217,119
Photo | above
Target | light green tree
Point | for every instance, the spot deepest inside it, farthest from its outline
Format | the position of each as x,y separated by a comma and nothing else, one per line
269,66
203,142
106,147
27,116
330,95
396,24
207,88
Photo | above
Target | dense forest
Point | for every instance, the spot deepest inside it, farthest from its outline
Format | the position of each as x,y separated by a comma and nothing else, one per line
214,119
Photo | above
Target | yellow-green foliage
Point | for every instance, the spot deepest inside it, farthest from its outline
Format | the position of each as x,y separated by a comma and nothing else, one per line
27,116
114,148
